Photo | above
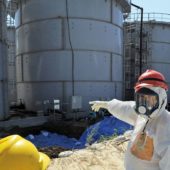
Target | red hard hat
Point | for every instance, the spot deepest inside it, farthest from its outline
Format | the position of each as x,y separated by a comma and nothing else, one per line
151,78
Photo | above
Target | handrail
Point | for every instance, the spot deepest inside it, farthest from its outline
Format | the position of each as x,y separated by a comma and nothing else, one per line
161,17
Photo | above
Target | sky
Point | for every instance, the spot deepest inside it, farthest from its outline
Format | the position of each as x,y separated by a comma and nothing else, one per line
156,6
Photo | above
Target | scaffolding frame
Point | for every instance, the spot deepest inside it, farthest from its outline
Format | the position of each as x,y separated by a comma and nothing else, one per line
12,6
7,25
133,62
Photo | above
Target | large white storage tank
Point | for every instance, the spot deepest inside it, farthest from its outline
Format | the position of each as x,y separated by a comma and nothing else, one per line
159,48
69,48
156,43
3,63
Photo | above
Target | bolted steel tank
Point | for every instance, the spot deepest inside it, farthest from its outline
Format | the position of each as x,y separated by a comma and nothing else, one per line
155,45
69,48
159,48
3,63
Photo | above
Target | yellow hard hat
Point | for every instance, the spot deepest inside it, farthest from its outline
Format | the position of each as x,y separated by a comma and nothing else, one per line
16,153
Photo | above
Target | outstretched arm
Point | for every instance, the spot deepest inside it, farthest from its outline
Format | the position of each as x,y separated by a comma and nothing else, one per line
120,109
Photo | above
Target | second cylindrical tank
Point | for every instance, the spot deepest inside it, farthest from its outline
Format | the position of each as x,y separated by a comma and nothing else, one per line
155,48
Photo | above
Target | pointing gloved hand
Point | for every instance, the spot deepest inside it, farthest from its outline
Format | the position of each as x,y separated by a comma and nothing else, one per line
96,105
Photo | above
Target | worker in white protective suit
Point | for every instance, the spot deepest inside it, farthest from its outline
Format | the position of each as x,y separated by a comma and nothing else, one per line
149,146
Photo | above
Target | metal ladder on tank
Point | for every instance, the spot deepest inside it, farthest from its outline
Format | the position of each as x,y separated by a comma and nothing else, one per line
11,8
144,53
149,49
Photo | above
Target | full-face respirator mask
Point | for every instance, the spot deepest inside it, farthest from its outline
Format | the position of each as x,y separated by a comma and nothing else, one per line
147,101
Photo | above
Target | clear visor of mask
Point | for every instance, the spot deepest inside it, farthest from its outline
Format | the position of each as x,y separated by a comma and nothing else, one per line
147,101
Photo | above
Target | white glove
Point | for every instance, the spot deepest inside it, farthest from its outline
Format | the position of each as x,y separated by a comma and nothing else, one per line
96,105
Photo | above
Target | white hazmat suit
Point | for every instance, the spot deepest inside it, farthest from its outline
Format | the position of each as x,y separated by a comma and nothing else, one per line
149,147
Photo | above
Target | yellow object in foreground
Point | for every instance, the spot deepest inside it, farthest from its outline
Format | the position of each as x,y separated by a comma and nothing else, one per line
16,153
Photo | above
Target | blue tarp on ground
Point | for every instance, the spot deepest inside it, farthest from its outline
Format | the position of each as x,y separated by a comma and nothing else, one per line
45,139
109,126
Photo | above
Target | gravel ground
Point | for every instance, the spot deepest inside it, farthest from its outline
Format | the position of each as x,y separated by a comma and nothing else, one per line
53,151
107,155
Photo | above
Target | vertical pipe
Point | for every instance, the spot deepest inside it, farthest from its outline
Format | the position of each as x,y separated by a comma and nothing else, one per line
141,36
141,40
